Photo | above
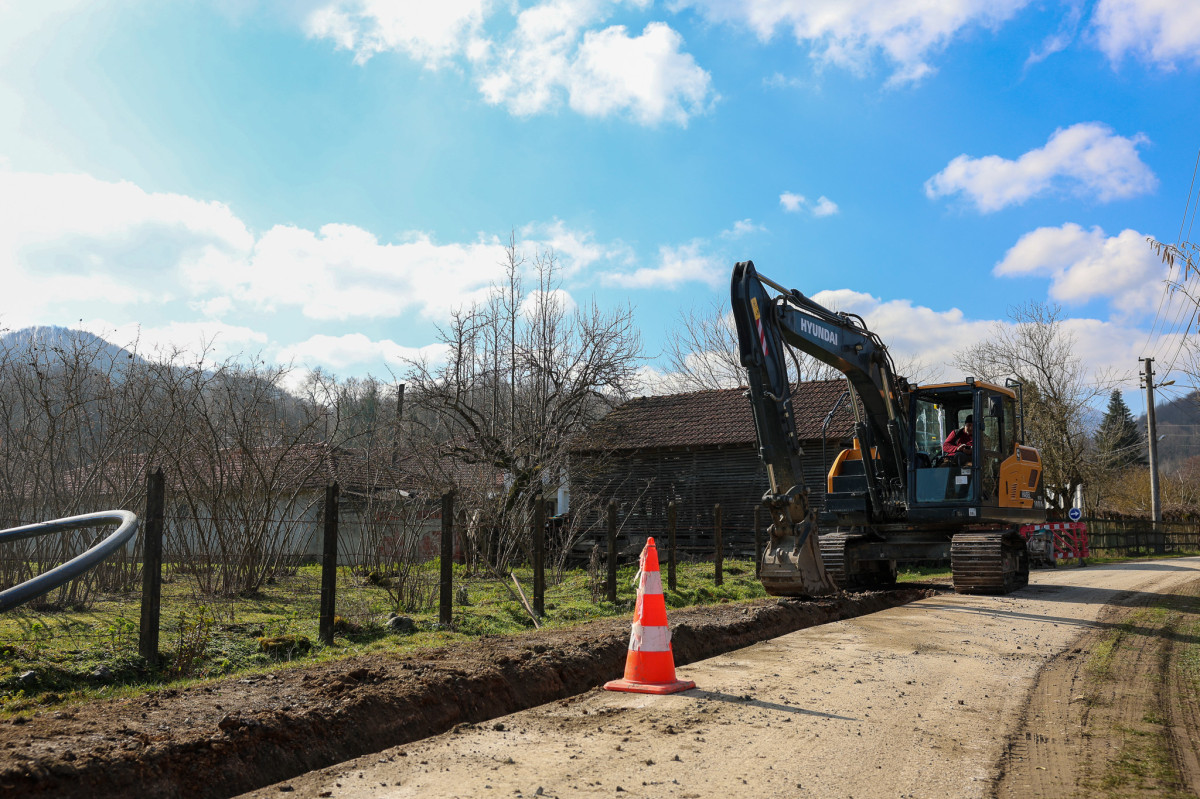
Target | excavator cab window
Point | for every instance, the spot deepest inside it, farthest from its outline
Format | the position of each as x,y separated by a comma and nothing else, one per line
990,435
936,478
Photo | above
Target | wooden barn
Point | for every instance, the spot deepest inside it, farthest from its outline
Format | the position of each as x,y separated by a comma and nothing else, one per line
697,449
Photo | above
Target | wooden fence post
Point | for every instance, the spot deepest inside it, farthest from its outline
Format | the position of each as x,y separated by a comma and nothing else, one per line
152,536
719,556
757,540
539,556
446,588
671,545
612,550
329,565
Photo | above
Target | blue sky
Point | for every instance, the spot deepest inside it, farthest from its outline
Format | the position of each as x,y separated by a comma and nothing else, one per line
323,181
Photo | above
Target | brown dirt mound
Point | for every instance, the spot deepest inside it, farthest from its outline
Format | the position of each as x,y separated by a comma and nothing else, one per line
232,736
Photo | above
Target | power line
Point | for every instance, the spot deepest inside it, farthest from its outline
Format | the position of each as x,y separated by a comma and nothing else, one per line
1168,289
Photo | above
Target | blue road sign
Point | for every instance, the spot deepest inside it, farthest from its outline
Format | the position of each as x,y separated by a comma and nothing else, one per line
1075,514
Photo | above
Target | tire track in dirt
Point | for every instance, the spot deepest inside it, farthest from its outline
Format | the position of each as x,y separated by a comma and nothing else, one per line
1115,712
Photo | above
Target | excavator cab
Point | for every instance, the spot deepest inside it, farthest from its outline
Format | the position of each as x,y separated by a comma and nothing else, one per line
1001,476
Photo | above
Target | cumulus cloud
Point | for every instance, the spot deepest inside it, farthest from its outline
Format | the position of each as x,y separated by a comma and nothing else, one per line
1085,264
342,271
186,342
356,350
929,337
575,250
431,33
560,53
824,207
552,55
1160,32
1088,159
852,33
743,227
74,247
76,239
676,266
793,203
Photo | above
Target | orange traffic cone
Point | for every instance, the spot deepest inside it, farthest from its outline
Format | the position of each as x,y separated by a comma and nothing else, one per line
650,666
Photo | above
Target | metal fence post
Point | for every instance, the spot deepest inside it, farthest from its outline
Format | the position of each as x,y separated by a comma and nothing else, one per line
671,545
719,555
152,536
612,550
329,565
539,557
446,589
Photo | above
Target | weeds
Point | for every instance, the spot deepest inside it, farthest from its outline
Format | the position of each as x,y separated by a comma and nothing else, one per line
195,636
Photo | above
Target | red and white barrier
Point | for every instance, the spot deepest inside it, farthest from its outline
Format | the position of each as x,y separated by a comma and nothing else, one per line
1070,538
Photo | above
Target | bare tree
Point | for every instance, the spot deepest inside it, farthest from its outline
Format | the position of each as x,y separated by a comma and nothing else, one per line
524,375
1039,352
703,353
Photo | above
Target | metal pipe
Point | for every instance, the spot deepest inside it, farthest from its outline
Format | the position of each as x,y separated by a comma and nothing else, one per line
46,582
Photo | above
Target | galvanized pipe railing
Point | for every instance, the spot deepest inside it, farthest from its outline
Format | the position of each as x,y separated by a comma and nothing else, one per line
46,582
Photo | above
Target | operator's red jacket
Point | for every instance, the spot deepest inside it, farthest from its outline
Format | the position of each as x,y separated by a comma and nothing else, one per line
958,439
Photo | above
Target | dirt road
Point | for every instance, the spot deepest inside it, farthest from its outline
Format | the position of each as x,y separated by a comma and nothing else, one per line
916,701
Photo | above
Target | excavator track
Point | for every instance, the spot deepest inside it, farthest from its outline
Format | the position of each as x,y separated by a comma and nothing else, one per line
848,571
991,562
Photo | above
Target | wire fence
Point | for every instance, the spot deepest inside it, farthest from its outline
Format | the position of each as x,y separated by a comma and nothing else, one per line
324,573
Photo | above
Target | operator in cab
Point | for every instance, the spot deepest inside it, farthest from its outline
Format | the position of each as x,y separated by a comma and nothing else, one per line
958,445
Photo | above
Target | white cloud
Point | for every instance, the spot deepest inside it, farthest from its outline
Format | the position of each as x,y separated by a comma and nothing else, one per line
1161,32
793,203
356,350
919,334
1086,264
824,207
575,250
851,33
647,77
431,33
601,73
743,227
558,54
676,266
72,242
69,239
342,271
187,342
556,300
1088,159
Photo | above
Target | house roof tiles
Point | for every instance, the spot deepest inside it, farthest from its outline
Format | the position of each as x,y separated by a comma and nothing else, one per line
711,419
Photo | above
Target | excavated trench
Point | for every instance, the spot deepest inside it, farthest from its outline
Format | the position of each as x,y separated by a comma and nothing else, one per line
238,734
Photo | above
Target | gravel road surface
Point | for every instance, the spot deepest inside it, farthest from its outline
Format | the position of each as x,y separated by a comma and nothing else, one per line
915,701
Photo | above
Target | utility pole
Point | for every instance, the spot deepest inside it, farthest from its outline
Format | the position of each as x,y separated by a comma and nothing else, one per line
1152,436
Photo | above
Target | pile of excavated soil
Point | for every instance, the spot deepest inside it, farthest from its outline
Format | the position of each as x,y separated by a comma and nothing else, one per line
234,735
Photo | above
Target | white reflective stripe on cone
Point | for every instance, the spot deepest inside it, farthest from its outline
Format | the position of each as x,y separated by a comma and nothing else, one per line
652,582
650,639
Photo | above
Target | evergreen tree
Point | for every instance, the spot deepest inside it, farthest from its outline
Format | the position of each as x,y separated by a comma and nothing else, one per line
1119,439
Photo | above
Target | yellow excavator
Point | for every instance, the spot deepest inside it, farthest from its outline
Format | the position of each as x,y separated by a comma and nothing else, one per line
893,496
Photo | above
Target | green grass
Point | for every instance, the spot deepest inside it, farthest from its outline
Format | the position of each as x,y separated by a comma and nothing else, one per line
923,574
1100,560
87,654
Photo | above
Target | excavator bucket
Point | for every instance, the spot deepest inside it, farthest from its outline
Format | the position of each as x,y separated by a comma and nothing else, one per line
786,571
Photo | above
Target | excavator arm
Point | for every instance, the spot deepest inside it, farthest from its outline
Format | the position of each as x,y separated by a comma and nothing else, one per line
766,326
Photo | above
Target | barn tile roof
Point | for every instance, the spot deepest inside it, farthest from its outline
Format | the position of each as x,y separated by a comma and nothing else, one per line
711,419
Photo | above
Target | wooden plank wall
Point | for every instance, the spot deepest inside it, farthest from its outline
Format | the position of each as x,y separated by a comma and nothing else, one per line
644,483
